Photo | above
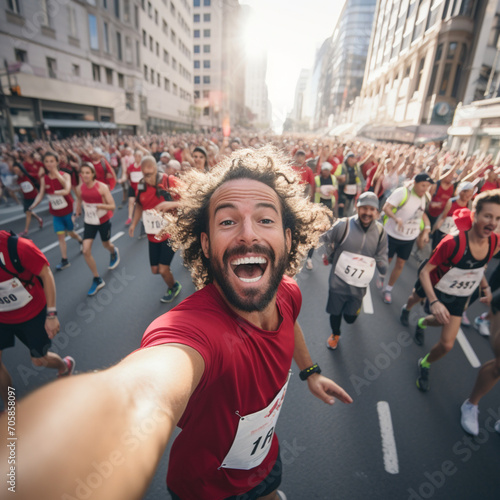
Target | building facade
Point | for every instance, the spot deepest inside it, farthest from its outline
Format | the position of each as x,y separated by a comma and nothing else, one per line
70,66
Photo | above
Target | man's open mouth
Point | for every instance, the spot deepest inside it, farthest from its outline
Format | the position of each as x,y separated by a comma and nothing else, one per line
249,269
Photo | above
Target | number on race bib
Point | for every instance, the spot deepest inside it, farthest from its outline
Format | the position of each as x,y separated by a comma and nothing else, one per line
7,300
354,271
268,437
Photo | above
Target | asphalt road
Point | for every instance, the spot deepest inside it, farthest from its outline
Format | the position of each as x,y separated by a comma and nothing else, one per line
393,442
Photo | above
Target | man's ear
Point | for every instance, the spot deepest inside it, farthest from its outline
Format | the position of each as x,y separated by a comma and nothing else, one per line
288,239
205,244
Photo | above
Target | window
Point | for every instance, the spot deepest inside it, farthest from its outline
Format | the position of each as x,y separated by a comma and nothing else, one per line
196,79
137,54
166,83
458,72
129,101
109,76
206,63
75,70
106,38
446,79
94,38
467,8
196,18
119,53
146,72
419,74
206,79
196,64
14,6
151,43
206,111
126,11
206,3
206,33
166,57
117,9
164,26
158,79
144,38
174,89
128,50
136,17
121,81
174,63
206,94
196,94
173,36
156,16
152,76
206,18
206,49
495,32
44,11
196,49
105,4
72,22
150,10
196,3
96,72
21,55
157,49
172,9
452,49
196,33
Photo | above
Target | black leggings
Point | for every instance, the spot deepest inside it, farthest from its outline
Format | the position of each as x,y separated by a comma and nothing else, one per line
335,322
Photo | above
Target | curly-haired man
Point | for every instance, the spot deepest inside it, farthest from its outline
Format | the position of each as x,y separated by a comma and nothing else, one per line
217,365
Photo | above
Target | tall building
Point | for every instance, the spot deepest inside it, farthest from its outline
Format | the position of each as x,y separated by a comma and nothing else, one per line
320,84
418,67
218,62
166,53
342,76
256,97
69,66
300,104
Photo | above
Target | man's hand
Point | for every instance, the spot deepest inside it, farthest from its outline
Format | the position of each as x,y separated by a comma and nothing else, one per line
324,388
487,296
131,230
52,326
440,312
400,224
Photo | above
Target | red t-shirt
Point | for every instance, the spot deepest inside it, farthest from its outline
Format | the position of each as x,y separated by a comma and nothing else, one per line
441,196
33,168
92,196
245,368
134,174
51,186
306,175
33,260
27,187
149,200
102,170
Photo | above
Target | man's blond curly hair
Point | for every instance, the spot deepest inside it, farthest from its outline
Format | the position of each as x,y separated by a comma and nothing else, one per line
306,220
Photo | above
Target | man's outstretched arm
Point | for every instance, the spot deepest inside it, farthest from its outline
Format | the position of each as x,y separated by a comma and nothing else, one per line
106,431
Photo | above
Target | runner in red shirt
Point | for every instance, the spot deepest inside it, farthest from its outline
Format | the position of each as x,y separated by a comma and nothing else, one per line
153,193
98,204
29,186
132,173
305,172
27,307
103,169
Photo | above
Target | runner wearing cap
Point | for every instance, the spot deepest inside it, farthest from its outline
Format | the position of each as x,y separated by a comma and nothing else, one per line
349,182
404,220
355,246
164,159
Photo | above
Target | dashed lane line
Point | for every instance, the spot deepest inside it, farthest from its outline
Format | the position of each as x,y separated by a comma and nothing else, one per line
468,351
389,450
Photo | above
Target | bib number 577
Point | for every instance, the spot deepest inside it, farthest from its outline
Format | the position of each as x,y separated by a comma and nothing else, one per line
353,270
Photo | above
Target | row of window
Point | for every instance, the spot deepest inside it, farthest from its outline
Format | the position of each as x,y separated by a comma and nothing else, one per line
206,18
206,64
206,79
197,3
154,14
206,49
197,33
153,77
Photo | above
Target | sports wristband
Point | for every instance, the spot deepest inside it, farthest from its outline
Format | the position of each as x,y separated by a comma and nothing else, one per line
52,315
433,302
307,372
51,309
427,227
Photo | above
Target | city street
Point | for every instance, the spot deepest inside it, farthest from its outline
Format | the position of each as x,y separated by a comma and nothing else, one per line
393,442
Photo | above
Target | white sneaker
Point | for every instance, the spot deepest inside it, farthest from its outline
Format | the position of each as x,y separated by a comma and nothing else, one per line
469,418
283,496
309,264
465,319
482,326
497,426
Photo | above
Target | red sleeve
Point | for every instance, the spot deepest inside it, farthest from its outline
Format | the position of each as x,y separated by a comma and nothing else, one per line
172,183
443,251
31,257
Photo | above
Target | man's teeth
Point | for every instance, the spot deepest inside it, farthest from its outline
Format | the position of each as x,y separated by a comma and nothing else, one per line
249,260
250,280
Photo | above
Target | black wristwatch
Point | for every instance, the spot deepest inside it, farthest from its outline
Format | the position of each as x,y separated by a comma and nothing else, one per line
307,372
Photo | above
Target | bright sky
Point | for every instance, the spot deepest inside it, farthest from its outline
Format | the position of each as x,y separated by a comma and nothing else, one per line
292,31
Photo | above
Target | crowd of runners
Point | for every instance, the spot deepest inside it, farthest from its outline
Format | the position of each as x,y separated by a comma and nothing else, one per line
384,203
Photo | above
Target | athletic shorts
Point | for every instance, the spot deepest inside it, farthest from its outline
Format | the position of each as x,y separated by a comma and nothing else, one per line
401,248
131,192
27,204
455,305
266,487
160,253
343,304
63,223
31,333
90,231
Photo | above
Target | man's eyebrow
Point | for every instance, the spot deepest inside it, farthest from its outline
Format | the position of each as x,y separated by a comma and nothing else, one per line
258,205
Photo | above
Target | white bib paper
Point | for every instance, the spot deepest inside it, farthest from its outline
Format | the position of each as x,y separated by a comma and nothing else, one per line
92,214
448,226
254,435
135,177
350,189
411,228
152,222
354,269
57,202
26,187
460,282
13,295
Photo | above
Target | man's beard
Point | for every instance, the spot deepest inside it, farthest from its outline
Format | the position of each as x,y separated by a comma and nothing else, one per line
253,299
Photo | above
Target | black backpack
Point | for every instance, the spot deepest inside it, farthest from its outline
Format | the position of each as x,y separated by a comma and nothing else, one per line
14,259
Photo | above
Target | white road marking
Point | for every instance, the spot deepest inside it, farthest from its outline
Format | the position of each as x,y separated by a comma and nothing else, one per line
468,351
116,236
367,302
391,463
54,245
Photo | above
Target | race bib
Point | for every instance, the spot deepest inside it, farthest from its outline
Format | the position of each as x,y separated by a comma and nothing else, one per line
135,177
448,226
152,222
26,187
57,202
354,269
92,214
460,282
254,435
411,228
350,189
13,295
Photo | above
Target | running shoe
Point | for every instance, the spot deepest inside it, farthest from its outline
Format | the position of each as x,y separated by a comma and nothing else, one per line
40,223
63,264
388,297
70,367
482,325
419,335
465,319
405,316
171,293
379,283
333,342
128,222
23,233
281,495
497,426
423,377
114,259
469,418
97,284
309,264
